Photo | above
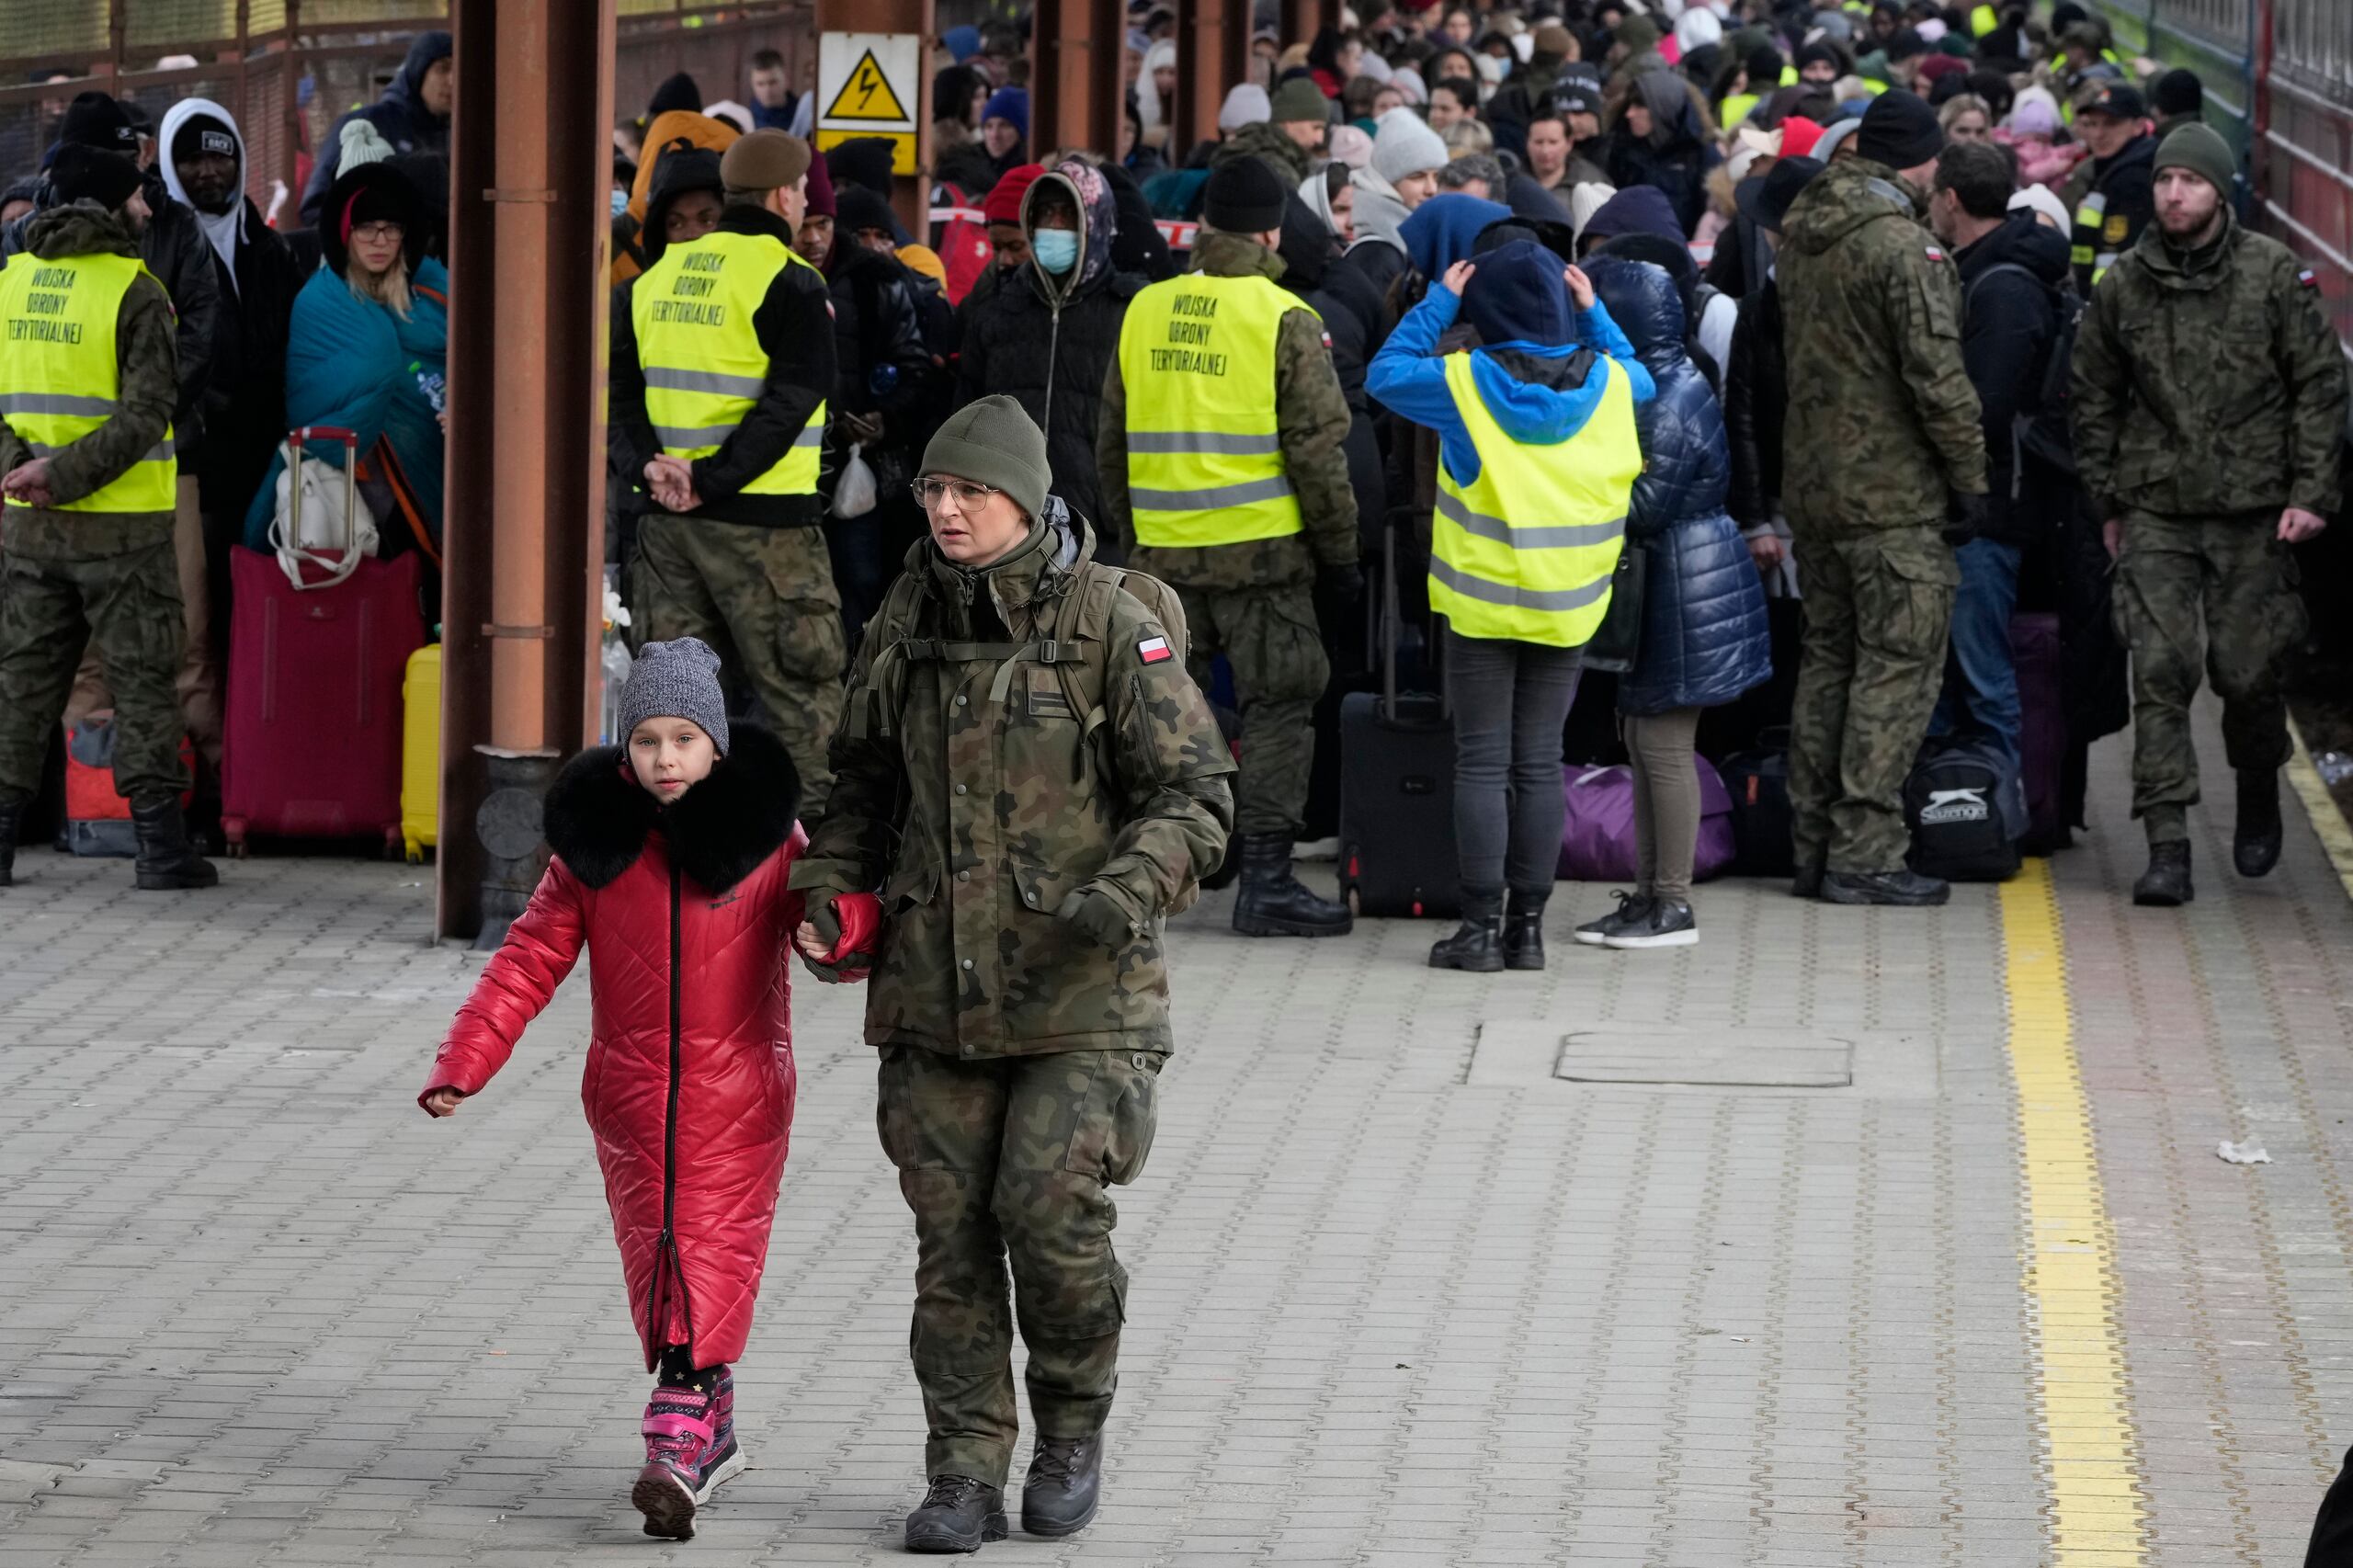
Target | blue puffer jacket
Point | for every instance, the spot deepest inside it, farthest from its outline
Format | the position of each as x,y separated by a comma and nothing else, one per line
1704,639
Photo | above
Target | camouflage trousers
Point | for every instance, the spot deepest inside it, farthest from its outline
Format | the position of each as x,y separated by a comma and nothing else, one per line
1011,1159
1270,641
764,600
126,606
2216,592
1878,607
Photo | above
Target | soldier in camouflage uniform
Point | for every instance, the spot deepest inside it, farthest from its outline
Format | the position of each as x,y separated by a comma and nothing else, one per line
1030,777
1255,599
2209,406
1885,465
86,540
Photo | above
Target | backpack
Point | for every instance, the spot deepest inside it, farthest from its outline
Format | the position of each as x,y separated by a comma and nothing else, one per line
2040,430
1966,806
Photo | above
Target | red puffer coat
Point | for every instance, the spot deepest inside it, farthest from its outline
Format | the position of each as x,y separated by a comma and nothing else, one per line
689,1080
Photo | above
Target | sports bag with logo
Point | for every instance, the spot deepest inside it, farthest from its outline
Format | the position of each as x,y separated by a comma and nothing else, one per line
1966,808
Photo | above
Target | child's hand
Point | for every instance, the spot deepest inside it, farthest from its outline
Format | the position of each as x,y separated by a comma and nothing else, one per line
443,1101
811,945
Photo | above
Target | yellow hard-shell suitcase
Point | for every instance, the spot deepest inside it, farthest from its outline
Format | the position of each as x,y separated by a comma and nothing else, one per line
421,751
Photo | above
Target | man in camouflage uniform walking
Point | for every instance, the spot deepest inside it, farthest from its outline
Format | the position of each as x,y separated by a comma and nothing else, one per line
1886,470
2209,405
1247,511
1029,774
88,379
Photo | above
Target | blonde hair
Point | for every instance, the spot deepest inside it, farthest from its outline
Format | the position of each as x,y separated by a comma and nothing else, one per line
1466,136
388,288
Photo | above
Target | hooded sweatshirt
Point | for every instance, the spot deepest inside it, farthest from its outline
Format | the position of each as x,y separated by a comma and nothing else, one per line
1445,230
1529,372
399,115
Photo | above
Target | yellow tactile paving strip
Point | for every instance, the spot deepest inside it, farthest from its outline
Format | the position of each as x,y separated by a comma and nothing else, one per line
2335,837
2092,1453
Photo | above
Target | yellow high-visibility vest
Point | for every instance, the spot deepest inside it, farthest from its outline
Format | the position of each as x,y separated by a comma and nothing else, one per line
1526,551
1790,77
704,365
59,376
1983,19
1735,107
1205,463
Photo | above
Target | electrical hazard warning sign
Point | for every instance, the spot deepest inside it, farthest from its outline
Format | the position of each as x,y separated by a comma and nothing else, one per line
866,87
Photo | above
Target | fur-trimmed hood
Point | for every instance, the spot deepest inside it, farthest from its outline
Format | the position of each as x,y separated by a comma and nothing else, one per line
720,832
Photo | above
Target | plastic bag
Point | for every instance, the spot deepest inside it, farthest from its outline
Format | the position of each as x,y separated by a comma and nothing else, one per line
855,492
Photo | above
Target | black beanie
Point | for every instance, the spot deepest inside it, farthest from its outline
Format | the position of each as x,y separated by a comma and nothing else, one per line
94,119
677,91
2177,92
1244,197
1900,132
1764,70
202,133
79,173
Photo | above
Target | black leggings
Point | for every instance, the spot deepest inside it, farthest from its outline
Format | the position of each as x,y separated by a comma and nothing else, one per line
1510,700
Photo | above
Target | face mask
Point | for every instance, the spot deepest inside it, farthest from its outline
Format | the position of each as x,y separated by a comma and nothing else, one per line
620,202
1491,67
1056,249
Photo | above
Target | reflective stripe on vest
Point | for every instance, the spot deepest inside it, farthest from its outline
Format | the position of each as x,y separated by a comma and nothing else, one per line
704,365
59,376
1205,464
2090,213
1526,551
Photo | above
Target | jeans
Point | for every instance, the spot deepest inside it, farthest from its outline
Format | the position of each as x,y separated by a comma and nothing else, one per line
1981,690
1510,700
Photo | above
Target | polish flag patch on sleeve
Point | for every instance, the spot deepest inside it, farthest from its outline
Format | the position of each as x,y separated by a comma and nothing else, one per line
2308,279
1152,650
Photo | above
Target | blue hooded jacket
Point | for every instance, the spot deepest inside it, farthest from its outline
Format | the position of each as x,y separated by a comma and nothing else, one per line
1704,639
1518,300
1445,229
400,115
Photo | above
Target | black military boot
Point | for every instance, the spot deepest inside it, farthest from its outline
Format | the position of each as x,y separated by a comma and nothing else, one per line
2165,884
957,1514
1807,882
1273,904
12,817
1905,889
166,861
1524,934
1065,1484
2254,849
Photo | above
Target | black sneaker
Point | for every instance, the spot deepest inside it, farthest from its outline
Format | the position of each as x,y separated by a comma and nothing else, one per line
1667,923
1064,1487
1632,908
957,1514
1902,890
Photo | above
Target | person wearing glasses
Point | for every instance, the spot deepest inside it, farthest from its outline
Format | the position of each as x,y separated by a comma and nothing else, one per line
1026,781
719,369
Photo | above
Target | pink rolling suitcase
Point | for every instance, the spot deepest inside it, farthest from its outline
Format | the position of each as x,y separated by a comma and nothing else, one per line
312,748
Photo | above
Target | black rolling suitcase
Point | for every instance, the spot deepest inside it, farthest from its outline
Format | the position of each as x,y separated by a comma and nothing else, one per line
1397,787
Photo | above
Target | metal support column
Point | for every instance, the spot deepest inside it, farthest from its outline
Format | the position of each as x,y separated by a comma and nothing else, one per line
523,546
1213,54
1301,19
1075,94
911,196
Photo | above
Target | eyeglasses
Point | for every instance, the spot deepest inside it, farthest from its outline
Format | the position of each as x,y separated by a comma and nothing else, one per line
377,232
930,492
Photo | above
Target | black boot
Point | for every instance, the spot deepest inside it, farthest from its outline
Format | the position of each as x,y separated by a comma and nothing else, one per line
1273,904
1524,934
2256,847
1064,1486
957,1514
166,861
12,816
1477,945
1807,882
2165,884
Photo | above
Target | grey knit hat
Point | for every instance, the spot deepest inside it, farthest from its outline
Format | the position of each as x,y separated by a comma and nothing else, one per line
993,441
676,680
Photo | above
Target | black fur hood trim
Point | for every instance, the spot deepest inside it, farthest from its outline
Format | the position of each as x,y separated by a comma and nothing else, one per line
720,832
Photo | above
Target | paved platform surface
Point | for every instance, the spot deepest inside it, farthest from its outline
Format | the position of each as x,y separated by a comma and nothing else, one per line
1400,1297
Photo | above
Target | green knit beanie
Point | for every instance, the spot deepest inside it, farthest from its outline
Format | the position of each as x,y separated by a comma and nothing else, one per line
2198,148
994,441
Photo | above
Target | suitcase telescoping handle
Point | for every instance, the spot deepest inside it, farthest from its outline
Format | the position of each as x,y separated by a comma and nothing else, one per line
295,441
1391,620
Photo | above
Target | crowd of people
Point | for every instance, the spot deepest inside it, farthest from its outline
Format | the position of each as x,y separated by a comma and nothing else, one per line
1646,377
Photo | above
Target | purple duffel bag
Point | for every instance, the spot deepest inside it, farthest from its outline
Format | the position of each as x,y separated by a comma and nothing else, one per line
1598,839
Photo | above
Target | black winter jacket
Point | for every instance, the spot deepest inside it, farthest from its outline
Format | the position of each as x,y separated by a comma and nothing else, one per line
244,408
1352,311
1704,638
399,116
798,336
2008,319
1052,360
1756,396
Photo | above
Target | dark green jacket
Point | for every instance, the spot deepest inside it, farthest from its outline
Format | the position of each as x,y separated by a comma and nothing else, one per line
978,794
2208,382
1271,145
1312,422
1883,419
147,389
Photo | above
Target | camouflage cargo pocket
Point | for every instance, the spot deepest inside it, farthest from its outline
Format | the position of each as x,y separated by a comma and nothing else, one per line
1114,1135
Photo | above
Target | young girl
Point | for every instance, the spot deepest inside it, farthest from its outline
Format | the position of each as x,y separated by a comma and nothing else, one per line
671,855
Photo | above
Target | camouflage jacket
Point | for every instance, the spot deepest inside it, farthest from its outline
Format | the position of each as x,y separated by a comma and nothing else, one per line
2208,383
1271,145
977,793
146,389
1311,417
1883,419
